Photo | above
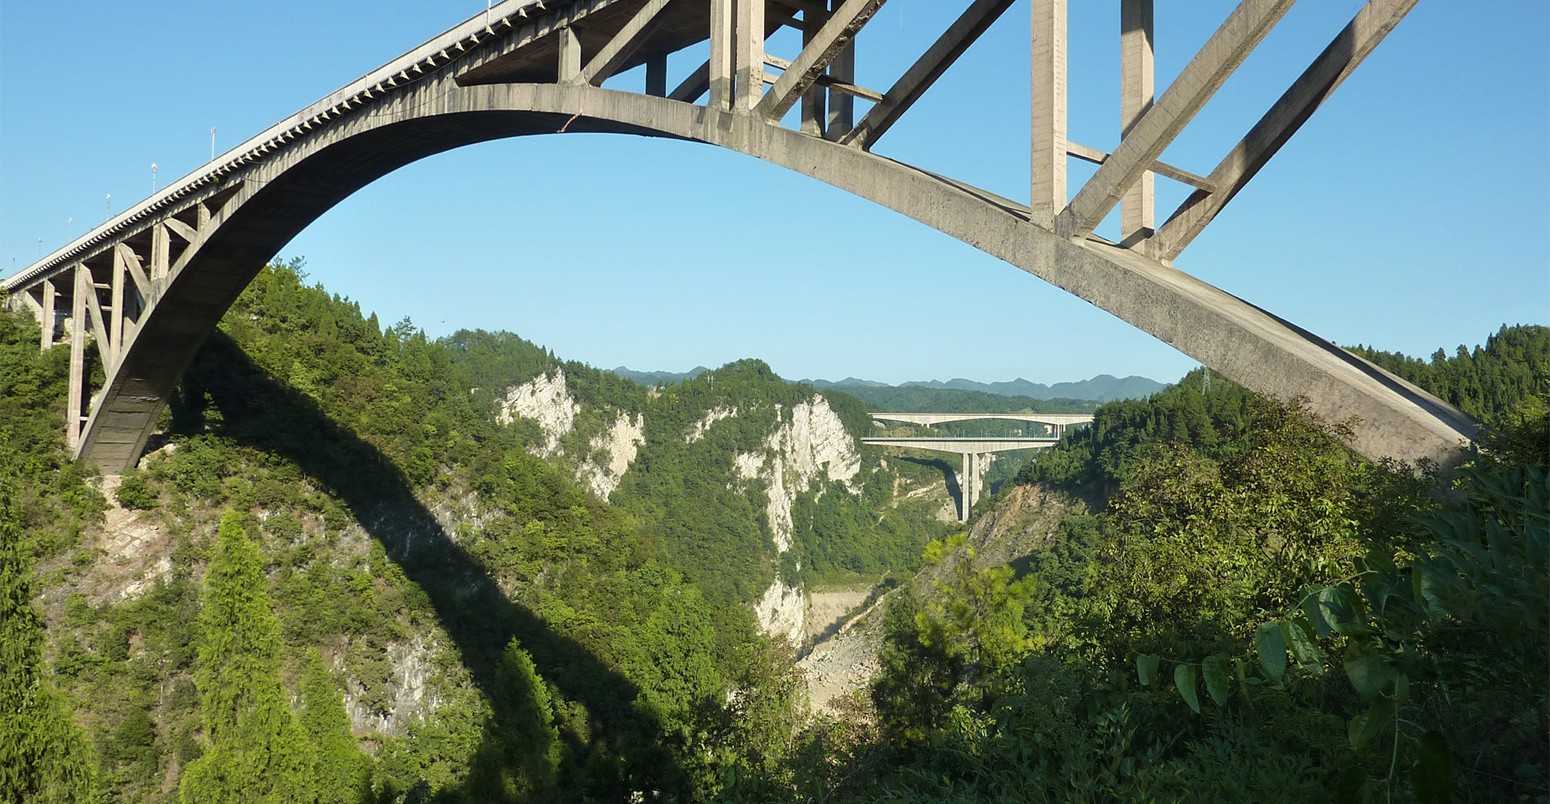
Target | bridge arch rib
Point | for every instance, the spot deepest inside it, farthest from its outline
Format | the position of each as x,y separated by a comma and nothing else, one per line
265,206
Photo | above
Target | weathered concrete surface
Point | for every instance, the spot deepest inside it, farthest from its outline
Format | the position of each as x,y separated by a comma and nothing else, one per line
280,194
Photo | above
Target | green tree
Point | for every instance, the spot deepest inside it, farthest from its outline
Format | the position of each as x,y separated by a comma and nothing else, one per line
257,750
975,613
43,756
522,752
340,771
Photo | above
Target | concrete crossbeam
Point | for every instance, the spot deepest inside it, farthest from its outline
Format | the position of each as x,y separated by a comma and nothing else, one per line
623,45
1052,419
963,445
833,39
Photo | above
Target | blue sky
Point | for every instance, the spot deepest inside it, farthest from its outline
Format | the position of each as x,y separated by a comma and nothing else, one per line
1412,211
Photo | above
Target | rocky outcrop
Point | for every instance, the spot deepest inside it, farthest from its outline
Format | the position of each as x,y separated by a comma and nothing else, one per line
546,400
618,447
813,444
782,612
408,696
698,430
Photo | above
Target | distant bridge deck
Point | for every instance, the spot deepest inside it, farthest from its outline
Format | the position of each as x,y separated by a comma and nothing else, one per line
1052,419
966,446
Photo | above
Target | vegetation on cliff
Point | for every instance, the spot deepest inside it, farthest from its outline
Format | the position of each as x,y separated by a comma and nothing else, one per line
1256,614
338,578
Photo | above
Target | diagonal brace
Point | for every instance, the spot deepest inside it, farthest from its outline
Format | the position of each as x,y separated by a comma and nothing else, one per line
1295,106
831,40
962,34
622,45
1151,135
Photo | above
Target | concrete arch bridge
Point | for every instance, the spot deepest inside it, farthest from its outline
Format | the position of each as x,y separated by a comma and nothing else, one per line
146,288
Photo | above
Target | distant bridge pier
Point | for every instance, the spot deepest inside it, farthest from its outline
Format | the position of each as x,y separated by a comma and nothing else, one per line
968,488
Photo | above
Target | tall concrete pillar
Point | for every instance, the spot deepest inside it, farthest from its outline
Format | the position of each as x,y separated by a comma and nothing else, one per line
656,77
966,487
1049,110
83,286
722,23
814,107
964,484
116,315
1137,91
570,55
842,107
50,302
749,57
161,256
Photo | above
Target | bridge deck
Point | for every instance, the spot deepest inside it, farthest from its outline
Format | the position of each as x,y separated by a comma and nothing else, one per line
1054,419
965,445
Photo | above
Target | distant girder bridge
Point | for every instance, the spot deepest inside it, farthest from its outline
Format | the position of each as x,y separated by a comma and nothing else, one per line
1056,422
150,285
971,449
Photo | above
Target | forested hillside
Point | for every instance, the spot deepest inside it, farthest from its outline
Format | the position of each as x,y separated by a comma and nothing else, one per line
1486,382
1253,613
338,557
362,565
753,485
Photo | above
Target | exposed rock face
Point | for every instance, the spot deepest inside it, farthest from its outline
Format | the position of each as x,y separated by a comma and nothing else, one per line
620,444
134,550
813,444
844,662
698,430
783,612
546,400
408,691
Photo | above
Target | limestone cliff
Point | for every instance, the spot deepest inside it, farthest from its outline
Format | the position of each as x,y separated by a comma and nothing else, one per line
546,400
811,445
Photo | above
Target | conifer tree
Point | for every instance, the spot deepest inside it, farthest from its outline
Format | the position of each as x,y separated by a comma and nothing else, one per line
340,769
256,751
43,756
522,752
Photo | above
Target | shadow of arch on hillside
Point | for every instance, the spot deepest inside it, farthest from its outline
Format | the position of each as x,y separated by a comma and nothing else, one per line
949,474
261,412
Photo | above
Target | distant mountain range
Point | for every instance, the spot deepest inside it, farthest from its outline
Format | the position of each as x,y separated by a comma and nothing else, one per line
1102,388
655,378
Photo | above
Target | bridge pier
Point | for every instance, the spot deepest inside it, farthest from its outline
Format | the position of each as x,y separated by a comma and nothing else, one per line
966,487
73,417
